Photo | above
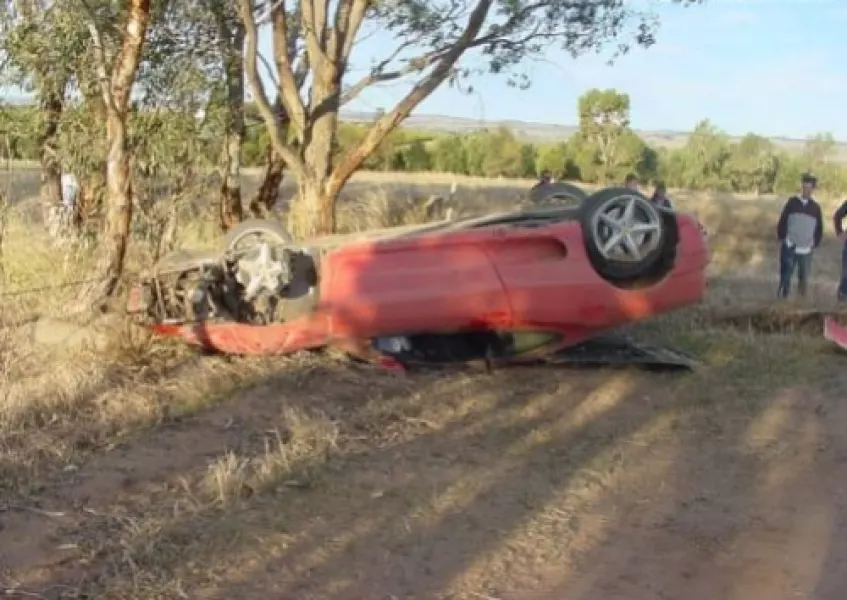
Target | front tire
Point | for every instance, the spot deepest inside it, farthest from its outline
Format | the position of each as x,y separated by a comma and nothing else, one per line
271,231
556,194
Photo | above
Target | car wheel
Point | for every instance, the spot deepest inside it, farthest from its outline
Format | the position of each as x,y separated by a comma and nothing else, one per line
245,242
557,193
625,234
252,231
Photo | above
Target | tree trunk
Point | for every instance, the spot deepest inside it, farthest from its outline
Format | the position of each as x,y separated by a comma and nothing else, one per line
268,195
315,203
90,199
231,210
92,181
52,104
116,89
312,211
119,213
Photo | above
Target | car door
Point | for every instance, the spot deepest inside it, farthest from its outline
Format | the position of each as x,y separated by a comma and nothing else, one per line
434,283
545,272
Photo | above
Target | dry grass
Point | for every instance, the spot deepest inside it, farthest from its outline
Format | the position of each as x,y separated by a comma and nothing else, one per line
181,476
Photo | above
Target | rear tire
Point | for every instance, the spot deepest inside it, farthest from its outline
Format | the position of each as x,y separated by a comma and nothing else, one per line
639,251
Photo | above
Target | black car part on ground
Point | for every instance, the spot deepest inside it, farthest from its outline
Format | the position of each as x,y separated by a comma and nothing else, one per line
490,347
623,350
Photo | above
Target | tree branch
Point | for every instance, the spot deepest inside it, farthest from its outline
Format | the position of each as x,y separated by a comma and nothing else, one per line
301,70
123,75
252,71
288,88
415,65
388,122
354,22
320,9
101,67
377,74
317,56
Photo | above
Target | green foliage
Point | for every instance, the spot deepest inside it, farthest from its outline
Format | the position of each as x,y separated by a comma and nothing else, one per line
18,132
603,125
753,164
503,156
168,141
416,157
450,155
553,158
704,162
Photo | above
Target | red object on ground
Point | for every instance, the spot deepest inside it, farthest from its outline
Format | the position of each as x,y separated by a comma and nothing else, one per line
835,332
499,278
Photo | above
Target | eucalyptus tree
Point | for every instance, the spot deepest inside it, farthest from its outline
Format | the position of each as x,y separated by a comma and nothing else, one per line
41,43
424,44
117,35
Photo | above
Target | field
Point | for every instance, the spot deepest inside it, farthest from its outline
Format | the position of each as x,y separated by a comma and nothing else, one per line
145,471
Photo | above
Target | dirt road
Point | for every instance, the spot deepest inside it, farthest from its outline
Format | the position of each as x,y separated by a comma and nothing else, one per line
528,483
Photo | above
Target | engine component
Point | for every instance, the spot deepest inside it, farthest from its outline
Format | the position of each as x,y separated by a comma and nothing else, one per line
262,272
197,301
394,345
259,284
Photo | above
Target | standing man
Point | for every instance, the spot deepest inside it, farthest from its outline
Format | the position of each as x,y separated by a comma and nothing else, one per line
546,178
660,196
838,222
800,229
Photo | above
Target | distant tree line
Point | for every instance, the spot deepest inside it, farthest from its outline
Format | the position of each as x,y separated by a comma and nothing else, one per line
603,149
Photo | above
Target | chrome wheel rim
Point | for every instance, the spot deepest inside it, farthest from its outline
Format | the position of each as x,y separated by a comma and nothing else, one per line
626,228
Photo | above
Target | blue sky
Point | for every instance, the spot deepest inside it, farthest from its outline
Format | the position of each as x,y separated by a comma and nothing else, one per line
768,66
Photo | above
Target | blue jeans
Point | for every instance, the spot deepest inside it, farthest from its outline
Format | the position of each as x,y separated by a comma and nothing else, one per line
842,286
789,260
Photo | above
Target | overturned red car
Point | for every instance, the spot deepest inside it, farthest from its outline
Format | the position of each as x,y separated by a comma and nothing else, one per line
500,288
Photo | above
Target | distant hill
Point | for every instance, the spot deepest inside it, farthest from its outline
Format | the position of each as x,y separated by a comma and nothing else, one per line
529,131
545,132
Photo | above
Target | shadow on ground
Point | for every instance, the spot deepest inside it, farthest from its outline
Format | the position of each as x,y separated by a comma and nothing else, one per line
553,482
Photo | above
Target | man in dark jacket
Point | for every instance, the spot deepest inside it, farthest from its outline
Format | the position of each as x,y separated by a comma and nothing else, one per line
660,196
546,178
800,229
838,222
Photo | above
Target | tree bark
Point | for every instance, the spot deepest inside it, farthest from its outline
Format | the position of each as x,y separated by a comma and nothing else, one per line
92,189
92,182
119,214
312,211
51,105
284,49
232,45
230,211
268,194
51,100
116,89
315,202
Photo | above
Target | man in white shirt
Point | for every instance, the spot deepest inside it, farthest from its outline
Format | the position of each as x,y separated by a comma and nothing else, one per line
800,230
70,189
